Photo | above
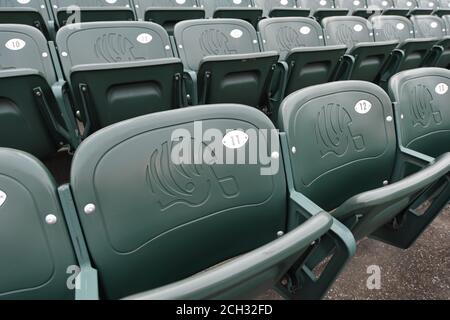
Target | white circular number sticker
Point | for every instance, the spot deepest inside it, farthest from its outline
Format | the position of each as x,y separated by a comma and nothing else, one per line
441,88
15,44
305,30
2,198
356,2
181,1
409,3
237,1
384,3
236,33
144,38
434,25
358,27
23,1
323,3
235,139
363,106
400,26
111,1
284,2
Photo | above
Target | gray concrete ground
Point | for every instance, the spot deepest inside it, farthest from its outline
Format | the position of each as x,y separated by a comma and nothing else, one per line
421,272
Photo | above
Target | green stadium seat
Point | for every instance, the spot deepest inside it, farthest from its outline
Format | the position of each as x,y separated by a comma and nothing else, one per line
167,13
34,113
233,9
387,7
355,7
34,13
443,8
420,98
414,7
119,70
365,59
77,11
446,19
433,26
35,245
144,220
300,42
341,141
321,8
411,53
281,8
223,62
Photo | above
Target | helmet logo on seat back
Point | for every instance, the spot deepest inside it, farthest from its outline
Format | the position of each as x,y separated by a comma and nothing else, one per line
334,133
215,42
288,38
423,108
345,35
114,47
188,184
2,198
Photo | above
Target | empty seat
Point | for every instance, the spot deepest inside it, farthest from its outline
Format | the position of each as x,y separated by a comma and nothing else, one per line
168,12
281,8
144,220
36,250
355,7
301,45
421,99
34,115
119,70
443,8
446,19
433,26
223,62
236,9
386,7
411,53
76,11
413,7
345,136
321,9
366,58
32,12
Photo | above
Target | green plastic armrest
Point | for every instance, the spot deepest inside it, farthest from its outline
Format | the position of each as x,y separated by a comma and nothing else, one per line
87,278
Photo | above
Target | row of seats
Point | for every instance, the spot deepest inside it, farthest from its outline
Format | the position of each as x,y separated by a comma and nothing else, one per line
132,219
49,15
105,72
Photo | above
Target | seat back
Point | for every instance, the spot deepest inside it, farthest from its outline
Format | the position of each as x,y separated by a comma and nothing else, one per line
75,11
426,26
285,34
212,6
380,4
111,42
33,12
428,4
414,51
167,13
197,39
35,246
347,30
25,47
341,140
410,4
168,211
421,98
388,28
120,70
444,4
281,8
350,4
315,5
26,99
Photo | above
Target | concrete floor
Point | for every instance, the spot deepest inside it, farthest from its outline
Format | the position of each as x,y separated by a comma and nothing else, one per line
421,272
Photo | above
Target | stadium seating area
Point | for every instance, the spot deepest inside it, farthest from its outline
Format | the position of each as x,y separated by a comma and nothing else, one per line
352,98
